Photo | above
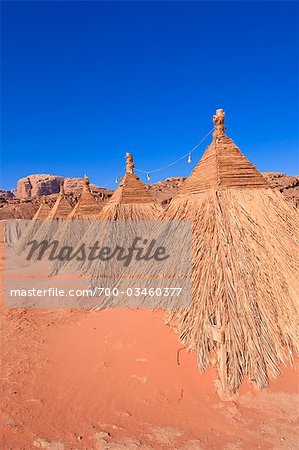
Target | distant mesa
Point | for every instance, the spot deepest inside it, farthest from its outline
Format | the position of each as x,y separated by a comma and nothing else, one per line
38,185
46,184
24,202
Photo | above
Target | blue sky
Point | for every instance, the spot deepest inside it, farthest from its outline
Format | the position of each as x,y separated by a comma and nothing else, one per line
82,83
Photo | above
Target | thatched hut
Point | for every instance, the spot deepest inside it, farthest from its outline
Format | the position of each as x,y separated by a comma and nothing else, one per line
87,207
43,210
245,251
131,202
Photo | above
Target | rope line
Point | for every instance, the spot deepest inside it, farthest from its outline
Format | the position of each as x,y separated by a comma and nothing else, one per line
177,160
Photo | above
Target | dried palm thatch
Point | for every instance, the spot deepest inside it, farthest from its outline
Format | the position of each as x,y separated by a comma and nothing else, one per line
61,208
131,201
13,230
87,207
43,210
71,231
32,226
245,284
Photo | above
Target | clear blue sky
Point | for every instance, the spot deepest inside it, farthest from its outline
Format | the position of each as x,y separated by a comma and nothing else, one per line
82,83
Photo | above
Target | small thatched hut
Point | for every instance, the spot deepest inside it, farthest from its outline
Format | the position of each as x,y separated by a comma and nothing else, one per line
87,207
49,226
245,255
43,210
131,201
32,226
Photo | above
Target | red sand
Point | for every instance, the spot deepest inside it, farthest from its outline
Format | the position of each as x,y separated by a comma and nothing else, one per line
110,380
67,377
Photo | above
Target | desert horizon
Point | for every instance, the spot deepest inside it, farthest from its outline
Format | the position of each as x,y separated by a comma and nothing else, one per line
23,201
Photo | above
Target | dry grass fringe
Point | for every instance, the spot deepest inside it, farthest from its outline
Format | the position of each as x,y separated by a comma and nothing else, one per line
245,260
69,234
13,230
245,286
109,214
28,235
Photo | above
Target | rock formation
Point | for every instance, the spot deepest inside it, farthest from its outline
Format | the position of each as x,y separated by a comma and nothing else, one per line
165,190
38,185
286,184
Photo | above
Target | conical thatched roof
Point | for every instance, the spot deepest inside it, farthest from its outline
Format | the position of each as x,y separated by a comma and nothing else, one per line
87,206
43,211
245,250
61,208
223,166
131,200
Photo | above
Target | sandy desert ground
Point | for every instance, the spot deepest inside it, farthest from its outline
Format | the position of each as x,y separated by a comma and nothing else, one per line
78,379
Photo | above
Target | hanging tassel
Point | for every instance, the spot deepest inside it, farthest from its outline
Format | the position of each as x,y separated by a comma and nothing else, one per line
189,158
148,177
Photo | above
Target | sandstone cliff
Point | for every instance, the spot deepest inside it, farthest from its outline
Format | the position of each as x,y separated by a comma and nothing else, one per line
37,185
